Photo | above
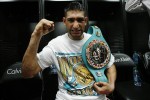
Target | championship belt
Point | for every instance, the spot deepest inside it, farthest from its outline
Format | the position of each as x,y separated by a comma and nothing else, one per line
96,54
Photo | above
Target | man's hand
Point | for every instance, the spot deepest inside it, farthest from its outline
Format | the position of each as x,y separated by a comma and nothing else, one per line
43,27
103,87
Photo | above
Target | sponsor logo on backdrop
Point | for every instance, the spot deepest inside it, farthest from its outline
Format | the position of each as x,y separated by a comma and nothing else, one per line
14,71
122,59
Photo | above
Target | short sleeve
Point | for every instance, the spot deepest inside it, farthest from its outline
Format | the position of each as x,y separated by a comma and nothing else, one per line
112,60
45,57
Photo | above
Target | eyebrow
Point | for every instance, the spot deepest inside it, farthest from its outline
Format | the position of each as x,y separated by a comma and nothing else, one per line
79,19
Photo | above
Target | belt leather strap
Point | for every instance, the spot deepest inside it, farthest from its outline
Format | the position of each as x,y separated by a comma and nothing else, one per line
96,54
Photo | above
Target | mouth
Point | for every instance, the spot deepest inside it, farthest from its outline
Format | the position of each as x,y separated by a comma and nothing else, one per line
76,34
75,31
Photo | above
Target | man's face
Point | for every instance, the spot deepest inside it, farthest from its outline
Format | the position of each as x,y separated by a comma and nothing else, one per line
75,22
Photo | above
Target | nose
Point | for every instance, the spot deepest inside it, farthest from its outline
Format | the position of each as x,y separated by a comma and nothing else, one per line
75,24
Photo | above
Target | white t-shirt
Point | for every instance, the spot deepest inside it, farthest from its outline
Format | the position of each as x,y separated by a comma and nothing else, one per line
65,54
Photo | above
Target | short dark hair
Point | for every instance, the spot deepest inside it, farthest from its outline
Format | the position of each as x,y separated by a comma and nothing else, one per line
74,6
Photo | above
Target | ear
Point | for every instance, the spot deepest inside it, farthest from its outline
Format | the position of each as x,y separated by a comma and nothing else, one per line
86,20
64,20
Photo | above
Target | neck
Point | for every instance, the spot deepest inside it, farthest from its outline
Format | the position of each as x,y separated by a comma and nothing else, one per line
76,38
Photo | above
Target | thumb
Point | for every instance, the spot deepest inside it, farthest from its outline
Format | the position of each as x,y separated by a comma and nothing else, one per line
97,86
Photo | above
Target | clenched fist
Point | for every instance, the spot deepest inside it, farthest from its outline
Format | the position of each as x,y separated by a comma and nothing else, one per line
43,27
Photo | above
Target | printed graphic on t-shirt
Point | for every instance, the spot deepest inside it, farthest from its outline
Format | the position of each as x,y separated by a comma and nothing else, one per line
78,80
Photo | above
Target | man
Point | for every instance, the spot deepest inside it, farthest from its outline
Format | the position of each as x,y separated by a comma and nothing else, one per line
65,53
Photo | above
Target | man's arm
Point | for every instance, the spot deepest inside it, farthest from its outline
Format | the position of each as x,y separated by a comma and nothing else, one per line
30,66
104,87
112,74
134,6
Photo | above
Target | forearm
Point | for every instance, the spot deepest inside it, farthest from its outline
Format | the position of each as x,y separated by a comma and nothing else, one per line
111,74
30,66
134,6
104,87
29,62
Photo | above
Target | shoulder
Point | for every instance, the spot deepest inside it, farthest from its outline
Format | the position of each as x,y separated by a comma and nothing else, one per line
58,39
87,35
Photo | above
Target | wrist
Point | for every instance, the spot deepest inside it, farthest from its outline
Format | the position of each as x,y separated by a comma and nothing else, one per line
112,87
36,34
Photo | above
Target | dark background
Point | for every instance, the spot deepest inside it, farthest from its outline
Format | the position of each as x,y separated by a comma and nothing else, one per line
124,32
